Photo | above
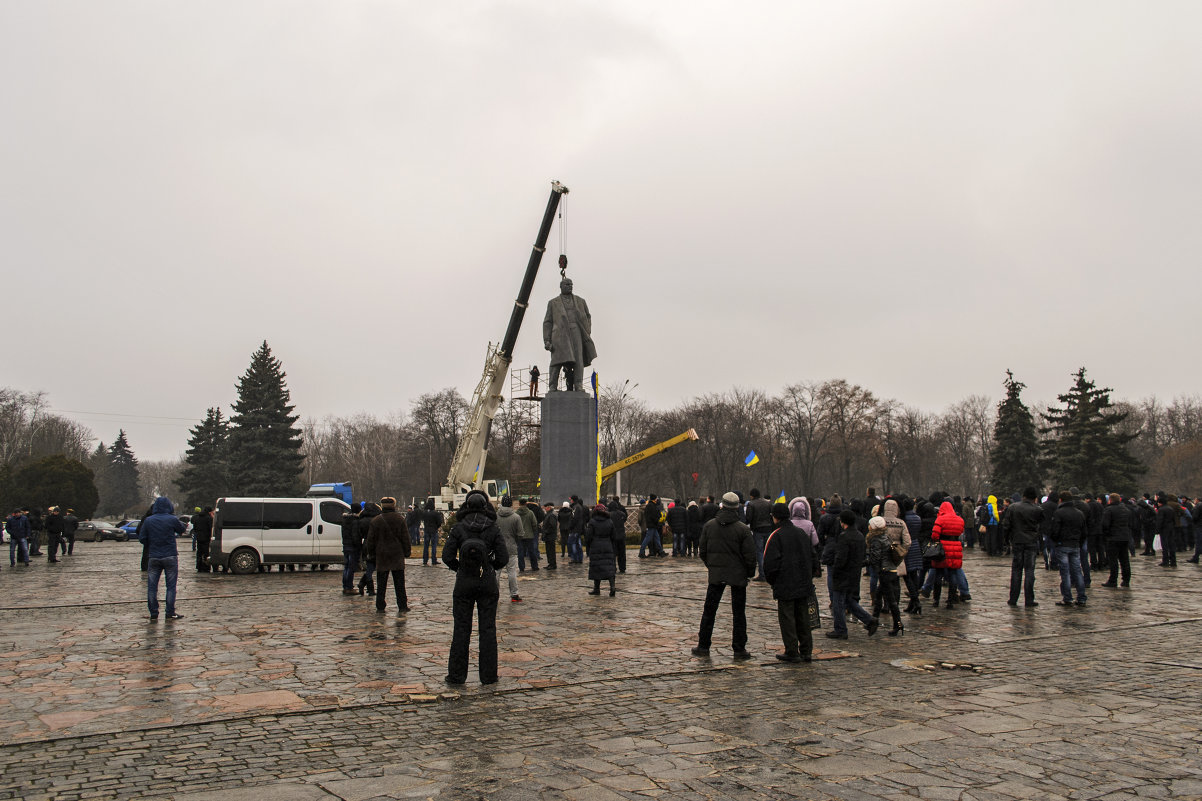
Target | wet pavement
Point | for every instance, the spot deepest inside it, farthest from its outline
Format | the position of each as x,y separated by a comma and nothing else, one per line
276,685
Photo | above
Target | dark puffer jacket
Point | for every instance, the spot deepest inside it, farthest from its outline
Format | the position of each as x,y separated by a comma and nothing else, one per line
727,549
1116,522
602,541
947,529
788,563
848,563
678,519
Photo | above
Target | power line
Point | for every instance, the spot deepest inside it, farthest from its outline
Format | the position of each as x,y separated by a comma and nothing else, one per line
141,417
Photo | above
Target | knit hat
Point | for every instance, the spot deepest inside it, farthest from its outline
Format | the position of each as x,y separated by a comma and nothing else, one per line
730,500
388,503
780,511
876,522
506,500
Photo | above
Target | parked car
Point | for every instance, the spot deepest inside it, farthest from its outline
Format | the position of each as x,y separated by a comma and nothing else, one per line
130,527
99,531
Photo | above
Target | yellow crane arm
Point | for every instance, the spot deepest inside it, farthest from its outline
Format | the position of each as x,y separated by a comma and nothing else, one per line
660,447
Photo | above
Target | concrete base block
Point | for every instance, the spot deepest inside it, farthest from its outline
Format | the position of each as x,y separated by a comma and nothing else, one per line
569,447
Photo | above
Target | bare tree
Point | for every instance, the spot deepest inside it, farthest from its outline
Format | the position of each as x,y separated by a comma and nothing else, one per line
803,421
852,414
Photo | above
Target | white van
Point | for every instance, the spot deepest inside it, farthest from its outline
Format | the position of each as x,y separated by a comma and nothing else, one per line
249,532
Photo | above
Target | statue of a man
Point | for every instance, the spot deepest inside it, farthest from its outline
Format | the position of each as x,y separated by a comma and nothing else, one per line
567,333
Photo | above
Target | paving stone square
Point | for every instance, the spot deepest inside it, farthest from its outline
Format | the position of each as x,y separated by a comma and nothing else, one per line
275,685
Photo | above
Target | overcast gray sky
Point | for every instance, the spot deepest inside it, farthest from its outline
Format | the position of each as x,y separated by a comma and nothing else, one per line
914,196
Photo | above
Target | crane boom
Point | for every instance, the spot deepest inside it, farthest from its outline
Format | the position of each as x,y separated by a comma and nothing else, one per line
467,468
660,447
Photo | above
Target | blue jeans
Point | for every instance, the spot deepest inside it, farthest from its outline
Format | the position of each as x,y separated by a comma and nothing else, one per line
430,547
18,550
575,552
958,578
651,538
168,566
761,539
1070,573
528,551
678,542
351,561
841,601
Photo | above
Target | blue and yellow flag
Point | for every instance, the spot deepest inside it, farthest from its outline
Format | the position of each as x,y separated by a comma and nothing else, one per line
596,382
782,498
751,459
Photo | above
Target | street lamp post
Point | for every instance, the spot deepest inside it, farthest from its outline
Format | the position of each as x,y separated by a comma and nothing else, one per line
626,390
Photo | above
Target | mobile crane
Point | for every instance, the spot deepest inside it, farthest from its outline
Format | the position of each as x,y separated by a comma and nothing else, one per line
467,467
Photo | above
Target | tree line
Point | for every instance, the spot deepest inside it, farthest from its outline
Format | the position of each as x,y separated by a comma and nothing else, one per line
816,437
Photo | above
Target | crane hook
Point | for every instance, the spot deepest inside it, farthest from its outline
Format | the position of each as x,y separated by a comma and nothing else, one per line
563,266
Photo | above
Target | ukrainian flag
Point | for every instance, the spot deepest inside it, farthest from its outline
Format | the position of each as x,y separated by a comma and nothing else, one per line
782,498
751,459
596,381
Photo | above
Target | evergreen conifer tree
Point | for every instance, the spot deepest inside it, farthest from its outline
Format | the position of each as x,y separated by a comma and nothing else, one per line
264,444
121,479
1085,447
1015,455
205,477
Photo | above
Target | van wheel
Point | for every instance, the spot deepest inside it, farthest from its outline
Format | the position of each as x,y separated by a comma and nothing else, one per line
243,561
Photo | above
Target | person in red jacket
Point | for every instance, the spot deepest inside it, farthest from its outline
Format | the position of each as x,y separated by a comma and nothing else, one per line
948,528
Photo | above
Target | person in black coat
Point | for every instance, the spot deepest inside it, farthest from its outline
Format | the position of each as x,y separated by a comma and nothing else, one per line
678,521
367,582
564,515
788,566
475,550
1147,524
601,541
728,551
693,543
1021,524
548,529
1069,531
432,521
202,527
846,568
1167,515
1116,528
617,513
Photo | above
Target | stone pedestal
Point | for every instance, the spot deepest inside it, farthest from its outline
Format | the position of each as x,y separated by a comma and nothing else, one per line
569,448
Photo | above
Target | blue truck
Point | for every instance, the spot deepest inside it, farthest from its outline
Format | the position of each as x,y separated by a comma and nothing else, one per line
338,489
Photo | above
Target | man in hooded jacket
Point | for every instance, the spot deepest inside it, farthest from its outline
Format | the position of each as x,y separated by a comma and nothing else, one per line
728,552
475,550
510,526
158,533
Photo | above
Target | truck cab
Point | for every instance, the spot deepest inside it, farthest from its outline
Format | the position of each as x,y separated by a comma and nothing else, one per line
495,488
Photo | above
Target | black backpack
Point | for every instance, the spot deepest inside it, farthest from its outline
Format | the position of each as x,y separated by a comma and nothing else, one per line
473,556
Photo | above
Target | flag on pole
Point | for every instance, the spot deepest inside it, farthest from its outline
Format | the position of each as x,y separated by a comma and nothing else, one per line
782,498
751,459
596,382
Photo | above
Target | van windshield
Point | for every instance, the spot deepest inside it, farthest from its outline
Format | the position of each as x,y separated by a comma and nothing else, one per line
502,487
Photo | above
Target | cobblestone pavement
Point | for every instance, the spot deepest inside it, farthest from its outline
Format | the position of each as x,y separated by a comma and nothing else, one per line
277,686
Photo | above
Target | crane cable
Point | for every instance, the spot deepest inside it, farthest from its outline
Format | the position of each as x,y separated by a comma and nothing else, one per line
563,237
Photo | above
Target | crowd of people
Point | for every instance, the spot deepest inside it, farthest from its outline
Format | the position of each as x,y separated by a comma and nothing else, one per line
26,530
898,542
919,544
